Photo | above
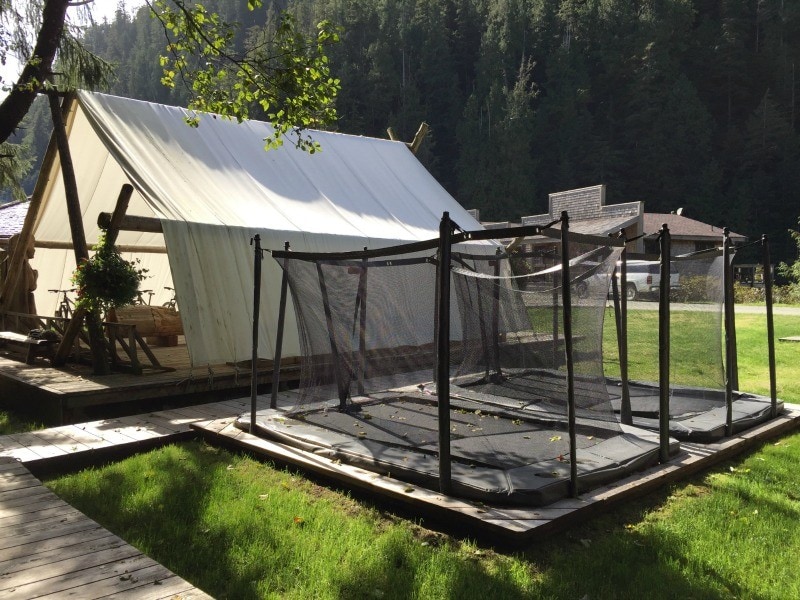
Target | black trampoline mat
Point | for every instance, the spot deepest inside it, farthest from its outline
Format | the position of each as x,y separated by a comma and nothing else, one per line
696,414
502,456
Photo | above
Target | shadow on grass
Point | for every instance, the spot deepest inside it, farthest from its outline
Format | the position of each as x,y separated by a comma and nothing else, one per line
168,504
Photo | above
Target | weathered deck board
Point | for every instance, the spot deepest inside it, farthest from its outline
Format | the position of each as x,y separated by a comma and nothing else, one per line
50,549
512,523
63,393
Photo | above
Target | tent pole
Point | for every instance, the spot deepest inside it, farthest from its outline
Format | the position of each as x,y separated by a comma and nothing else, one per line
443,352
664,344
730,348
767,267
276,359
124,198
97,340
566,298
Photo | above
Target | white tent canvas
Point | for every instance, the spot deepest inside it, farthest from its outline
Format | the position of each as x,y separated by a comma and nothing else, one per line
213,188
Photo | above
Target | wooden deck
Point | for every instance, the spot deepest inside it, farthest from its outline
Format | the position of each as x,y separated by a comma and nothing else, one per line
71,393
73,446
514,525
49,549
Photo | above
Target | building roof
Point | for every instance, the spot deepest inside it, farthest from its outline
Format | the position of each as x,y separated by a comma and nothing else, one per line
681,227
12,216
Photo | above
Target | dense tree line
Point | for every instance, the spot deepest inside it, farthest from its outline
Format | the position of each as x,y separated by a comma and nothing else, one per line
679,103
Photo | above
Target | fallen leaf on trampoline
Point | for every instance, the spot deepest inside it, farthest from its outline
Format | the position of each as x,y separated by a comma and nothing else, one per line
526,437
555,438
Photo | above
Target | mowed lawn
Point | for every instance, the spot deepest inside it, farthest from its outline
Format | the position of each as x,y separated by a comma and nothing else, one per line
240,528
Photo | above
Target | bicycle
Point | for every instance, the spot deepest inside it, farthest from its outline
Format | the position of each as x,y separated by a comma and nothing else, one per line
140,297
66,307
172,303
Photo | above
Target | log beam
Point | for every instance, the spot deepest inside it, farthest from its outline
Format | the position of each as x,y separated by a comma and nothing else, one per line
131,223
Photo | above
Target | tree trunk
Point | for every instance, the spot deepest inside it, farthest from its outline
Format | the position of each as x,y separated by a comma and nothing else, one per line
96,340
18,102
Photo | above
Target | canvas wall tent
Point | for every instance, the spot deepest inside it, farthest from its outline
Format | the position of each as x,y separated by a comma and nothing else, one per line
213,188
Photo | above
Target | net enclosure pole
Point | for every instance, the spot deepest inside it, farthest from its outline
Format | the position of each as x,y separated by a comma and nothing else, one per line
258,256
663,344
362,325
443,352
276,359
621,313
730,348
731,299
767,267
340,384
566,299
496,318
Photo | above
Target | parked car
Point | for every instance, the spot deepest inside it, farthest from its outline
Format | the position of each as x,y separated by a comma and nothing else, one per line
643,278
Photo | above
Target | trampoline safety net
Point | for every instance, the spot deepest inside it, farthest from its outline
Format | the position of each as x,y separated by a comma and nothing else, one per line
697,380
367,329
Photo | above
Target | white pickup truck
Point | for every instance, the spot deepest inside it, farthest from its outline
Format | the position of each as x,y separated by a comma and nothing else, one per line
642,279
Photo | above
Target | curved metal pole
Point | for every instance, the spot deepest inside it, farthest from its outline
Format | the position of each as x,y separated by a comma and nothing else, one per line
566,298
663,345
276,359
443,352
773,386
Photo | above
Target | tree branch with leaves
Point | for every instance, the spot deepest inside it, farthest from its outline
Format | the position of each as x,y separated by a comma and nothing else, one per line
284,73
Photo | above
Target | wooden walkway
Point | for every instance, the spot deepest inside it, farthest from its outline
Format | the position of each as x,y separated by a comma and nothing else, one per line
70,446
49,549
515,524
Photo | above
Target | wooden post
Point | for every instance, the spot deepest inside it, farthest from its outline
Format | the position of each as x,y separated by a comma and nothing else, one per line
124,198
97,340
419,137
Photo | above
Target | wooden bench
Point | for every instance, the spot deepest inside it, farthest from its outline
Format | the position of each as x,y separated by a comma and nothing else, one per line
32,347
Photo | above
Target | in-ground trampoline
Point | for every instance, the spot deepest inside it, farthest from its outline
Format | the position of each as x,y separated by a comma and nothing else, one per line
701,406
521,413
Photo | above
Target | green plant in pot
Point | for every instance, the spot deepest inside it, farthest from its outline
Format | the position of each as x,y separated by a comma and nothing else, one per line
107,280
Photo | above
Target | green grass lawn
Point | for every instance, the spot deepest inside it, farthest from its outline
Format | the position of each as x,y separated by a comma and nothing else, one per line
239,528
691,356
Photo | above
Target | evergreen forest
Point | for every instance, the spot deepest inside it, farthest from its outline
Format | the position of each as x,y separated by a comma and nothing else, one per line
679,103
